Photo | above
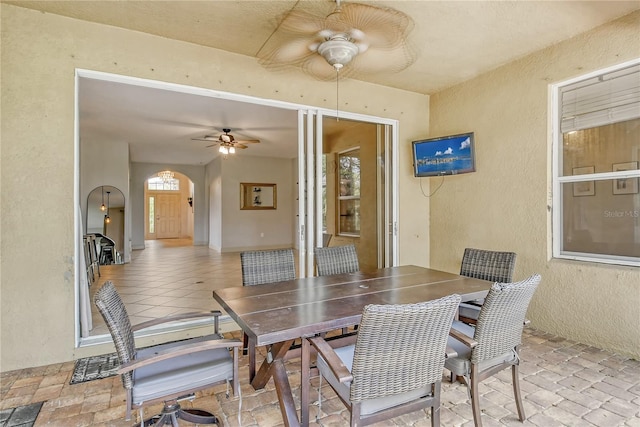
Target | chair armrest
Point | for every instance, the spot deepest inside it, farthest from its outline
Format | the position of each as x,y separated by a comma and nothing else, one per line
333,361
176,318
464,339
450,352
179,350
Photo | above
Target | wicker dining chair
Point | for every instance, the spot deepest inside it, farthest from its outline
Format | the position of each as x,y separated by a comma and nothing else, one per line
259,268
336,260
270,266
494,266
167,372
396,364
493,344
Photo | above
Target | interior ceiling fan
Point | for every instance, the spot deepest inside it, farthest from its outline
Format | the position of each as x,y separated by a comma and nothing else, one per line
354,39
227,142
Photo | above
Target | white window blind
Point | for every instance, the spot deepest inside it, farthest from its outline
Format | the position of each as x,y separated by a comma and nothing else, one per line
608,98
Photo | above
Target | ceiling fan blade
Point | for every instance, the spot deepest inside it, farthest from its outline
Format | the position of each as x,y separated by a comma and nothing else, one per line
247,141
379,26
206,138
240,146
290,52
319,68
382,61
301,22
212,145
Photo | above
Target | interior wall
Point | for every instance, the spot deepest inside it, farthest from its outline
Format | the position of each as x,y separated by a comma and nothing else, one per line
37,98
363,135
256,229
506,204
214,180
106,163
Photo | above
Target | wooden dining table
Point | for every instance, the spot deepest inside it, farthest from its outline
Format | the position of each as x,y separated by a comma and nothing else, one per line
277,314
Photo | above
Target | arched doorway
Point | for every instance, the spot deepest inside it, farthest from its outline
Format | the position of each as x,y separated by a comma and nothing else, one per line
168,212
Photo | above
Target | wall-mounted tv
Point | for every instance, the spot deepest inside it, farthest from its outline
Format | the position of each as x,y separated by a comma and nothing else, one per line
446,155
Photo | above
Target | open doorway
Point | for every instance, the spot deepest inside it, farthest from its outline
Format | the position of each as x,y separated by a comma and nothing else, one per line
167,123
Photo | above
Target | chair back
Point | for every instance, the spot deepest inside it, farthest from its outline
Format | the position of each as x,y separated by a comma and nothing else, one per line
115,316
337,260
401,347
493,266
259,267
502,317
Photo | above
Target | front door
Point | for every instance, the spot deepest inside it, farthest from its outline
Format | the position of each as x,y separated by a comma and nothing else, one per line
168,218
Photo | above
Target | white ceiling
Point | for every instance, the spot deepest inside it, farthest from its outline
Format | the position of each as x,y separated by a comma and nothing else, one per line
454,41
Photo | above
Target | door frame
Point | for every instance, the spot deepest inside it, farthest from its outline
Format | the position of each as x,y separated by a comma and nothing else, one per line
307,219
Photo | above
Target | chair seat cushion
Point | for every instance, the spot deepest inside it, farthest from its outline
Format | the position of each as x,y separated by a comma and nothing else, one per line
469,310
180,374
368,406
461,364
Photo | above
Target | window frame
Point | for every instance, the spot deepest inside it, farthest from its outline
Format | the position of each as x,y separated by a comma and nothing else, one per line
340,198
558,180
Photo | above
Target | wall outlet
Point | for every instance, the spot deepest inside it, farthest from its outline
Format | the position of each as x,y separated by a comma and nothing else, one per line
261,234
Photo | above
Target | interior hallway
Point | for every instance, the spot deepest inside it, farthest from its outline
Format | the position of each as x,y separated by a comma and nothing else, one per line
169,276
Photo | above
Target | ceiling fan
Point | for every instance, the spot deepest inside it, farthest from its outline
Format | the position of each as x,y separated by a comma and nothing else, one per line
227,142
352,39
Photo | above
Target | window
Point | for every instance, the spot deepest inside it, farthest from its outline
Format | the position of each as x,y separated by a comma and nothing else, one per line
349,192
596,167
152,215
159,184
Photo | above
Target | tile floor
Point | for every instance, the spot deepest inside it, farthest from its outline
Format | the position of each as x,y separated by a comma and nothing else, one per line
564,383
168,277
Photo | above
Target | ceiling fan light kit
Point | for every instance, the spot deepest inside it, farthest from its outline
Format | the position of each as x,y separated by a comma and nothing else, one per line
338,51
227,142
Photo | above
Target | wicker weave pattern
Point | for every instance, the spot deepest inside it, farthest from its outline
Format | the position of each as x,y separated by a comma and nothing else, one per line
337,260
259,267
401,347
488,265
115,316
501,319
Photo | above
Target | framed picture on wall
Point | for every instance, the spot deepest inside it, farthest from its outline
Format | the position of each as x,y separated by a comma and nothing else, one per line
625,185
584,188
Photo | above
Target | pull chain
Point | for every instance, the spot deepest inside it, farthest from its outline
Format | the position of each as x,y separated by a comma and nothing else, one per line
337,95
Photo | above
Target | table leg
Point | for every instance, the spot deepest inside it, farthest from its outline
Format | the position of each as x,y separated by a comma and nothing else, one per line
275,369
304,382
251,349
285,396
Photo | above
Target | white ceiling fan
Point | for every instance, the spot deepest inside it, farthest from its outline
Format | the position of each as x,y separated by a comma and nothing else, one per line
228,143
353,39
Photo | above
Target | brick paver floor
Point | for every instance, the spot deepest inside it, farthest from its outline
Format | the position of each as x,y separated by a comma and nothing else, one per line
564,383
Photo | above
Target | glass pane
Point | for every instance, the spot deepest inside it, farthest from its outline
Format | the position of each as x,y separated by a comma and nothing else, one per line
602,217
152,215
597,150
350,173
350,217
158,184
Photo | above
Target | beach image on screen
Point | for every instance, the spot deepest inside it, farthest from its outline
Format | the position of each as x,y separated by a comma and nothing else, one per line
448,155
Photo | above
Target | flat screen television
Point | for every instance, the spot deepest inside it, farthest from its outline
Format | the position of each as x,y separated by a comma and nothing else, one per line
446,155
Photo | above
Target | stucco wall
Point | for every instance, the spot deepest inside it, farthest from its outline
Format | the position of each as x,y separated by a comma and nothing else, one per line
39,53
505,204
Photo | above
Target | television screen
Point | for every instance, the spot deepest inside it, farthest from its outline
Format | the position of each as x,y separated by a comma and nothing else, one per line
447,155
